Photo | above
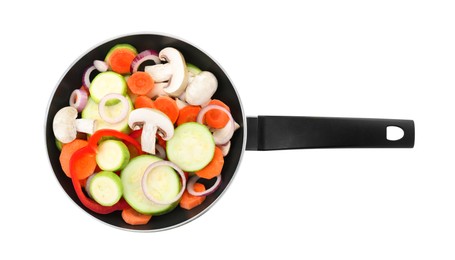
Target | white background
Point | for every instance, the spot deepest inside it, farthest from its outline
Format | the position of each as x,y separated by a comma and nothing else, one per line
384,59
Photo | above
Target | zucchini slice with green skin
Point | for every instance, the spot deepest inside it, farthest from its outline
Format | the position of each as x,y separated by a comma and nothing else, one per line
105,188
164,183
193,69
91,111
106,83
112,155
191,147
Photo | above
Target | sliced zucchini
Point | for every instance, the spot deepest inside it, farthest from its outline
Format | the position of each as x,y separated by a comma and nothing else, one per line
164,183
112,155
191,147
105,188
91,111
106,83
192,69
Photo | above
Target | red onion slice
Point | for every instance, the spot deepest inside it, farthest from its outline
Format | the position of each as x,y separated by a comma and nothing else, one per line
225,148
223,135
150,169
144,56
123,114
78,99
86,76
160,152
100,65
195,178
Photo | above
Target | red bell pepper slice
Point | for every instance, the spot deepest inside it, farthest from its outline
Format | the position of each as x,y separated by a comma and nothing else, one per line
95,138
90,150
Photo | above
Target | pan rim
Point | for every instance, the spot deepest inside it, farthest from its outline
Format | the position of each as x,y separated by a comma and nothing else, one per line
243,124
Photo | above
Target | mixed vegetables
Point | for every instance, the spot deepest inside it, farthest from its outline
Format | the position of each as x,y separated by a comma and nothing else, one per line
139,141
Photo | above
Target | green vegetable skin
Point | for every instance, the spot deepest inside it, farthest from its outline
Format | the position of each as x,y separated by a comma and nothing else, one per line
193,69
192,147
105,188
112,155
118,46
166,184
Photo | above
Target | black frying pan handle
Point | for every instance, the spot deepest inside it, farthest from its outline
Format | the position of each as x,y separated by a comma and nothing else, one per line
288,132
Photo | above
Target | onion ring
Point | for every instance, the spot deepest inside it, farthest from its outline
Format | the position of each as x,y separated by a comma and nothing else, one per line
100,65
160,152
123,114
144,56
86,76
219,137
225,148
149,169
78,99
194,179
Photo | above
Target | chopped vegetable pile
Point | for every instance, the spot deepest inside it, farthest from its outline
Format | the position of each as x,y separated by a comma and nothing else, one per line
138,141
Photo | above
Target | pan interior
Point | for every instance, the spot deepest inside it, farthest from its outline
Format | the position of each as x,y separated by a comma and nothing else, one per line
226,92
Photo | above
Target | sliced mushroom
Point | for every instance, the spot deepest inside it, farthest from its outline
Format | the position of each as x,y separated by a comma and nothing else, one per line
179,78
66,125
159,72
158,90
152,121
180,103
201,88
174,71
182,96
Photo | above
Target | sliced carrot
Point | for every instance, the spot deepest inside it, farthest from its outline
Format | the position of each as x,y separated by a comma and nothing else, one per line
188,114
143,101
68,151
214,167
189,201
216,118
140,83
168,106
120,60
133,217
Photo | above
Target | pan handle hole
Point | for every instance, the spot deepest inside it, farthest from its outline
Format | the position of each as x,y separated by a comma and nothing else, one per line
394,133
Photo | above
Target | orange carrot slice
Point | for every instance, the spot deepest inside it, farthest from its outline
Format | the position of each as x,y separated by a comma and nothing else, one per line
133,217
189,201
140,83
120,60
143,101
188,114
216,118
168,106
214,167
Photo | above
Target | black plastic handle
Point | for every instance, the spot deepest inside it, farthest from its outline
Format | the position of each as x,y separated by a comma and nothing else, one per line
288,132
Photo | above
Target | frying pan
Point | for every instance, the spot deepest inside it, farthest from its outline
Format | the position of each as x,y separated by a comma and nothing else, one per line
255,133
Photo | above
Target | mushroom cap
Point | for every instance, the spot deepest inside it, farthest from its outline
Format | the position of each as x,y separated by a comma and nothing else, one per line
158,90
179,78
160,72
64,124
201,88
151,116
151,120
